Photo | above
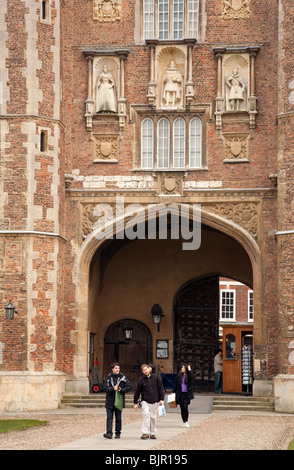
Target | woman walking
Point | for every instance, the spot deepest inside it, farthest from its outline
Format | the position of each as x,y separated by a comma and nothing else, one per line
184,391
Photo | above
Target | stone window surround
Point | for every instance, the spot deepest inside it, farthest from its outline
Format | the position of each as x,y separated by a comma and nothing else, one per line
139,30
140,112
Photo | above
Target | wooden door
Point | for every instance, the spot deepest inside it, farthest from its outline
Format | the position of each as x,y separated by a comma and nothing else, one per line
232,357
231,360
129,353
196,328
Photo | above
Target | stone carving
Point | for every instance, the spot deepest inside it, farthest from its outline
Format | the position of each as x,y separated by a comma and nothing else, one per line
244,214
236,98
107,10
92,220
236,73
236,9
170,183
172,86
170,68
237,88
106,97
236,147
105,147
106,91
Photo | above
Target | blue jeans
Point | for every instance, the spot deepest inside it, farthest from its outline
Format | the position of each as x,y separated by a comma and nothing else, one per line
109,422
218,382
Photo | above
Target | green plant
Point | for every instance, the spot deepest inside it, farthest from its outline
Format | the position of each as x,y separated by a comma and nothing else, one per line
7,425
291,446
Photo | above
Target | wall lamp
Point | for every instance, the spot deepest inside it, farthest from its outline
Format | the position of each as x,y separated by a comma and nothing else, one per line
10,310
128,333
156,312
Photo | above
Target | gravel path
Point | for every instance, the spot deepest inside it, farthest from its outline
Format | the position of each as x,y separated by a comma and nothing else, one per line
62,428
220,431
231,432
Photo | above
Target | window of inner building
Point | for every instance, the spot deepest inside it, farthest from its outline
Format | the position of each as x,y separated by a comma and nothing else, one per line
170,19
227,304
250,305
174,143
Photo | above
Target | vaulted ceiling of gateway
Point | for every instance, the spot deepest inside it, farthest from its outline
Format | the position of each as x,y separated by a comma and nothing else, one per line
218,254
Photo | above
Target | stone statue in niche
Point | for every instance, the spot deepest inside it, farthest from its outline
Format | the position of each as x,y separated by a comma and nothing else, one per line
106,100
237,88
172,86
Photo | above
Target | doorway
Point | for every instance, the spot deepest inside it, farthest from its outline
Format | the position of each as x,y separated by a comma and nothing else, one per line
129,343
196,331
237,359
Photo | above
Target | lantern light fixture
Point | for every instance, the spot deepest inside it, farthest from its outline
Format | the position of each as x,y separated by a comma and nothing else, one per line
157,315
128,333
10,310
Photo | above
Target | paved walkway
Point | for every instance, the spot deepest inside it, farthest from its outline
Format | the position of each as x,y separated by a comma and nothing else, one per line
208,431
167,427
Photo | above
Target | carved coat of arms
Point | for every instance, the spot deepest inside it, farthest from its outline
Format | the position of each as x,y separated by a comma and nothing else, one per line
236,9
107,10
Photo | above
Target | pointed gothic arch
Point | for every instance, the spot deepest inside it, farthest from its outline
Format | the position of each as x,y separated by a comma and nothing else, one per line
92,245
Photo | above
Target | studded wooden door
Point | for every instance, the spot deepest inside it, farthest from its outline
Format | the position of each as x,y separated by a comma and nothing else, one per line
196,328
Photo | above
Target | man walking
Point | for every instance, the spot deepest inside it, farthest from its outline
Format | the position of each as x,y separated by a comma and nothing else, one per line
114,381
152,395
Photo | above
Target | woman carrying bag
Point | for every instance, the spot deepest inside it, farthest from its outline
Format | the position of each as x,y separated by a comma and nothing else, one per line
184,391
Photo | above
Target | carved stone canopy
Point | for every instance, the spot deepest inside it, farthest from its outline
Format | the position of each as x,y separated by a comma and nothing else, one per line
170,83
235,99
106,93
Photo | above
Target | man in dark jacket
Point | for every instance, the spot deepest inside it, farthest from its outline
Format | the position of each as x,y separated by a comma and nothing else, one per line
114,381
152,395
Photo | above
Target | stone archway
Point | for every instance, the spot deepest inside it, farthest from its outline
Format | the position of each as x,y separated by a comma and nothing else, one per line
93,245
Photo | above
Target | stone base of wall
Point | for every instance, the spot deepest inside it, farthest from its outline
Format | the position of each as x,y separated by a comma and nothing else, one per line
31,391
262,388
77,386
284,393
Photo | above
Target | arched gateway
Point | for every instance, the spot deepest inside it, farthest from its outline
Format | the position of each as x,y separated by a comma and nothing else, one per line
126,277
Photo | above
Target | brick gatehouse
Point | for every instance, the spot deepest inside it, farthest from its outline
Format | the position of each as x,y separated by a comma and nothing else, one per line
110,109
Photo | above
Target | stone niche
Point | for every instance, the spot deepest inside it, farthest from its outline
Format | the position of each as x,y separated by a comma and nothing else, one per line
170,84
106,90
236,99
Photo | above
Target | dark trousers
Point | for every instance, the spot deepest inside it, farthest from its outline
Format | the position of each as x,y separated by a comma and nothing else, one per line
184,403
184,413
218,382
109,421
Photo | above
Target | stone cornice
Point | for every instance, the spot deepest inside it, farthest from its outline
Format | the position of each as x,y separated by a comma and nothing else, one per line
22,233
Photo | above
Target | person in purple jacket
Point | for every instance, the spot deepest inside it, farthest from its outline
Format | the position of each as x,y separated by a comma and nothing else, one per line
184,391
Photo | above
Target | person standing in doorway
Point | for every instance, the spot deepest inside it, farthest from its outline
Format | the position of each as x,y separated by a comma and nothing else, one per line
114,381
184,391
151,390
218,372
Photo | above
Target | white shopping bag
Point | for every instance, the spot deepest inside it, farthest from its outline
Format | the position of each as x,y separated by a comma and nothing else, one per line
171,398
161,410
